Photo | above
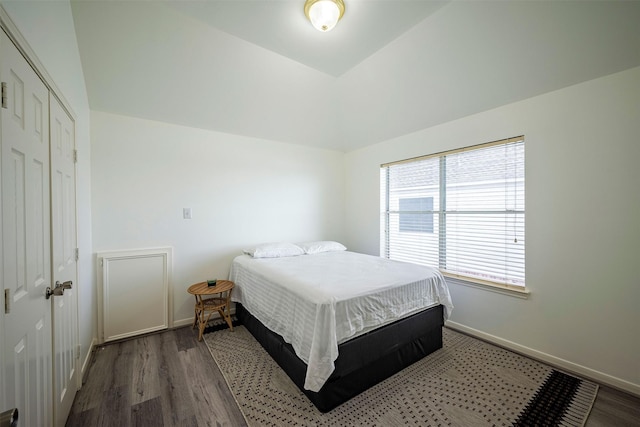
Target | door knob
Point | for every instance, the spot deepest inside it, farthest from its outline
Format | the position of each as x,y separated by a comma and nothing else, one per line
57,291
9,418
65,285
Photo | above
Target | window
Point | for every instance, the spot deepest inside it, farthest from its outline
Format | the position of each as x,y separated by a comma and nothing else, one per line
462,211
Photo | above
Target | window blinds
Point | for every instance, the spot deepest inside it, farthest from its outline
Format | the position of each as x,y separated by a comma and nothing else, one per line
462,211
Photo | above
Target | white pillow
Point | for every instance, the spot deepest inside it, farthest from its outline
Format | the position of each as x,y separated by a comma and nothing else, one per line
311,248
274,250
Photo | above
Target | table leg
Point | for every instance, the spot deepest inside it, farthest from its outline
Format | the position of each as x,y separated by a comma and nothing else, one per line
195,313
225,313
201,325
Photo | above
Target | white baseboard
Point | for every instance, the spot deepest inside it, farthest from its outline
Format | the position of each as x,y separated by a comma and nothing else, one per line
189,321
183,322
557,362
87,358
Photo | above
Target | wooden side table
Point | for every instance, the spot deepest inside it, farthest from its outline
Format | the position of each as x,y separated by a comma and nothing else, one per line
220,303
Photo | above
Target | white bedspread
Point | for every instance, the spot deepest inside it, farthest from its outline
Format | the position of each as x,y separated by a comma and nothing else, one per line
317,301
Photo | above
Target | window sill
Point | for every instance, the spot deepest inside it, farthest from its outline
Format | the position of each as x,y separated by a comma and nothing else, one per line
512,291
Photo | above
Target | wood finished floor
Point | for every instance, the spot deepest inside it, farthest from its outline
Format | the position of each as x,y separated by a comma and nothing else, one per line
165,379
170,379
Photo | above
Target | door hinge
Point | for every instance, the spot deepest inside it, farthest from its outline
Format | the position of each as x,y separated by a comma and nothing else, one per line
75,156
4,95
7,295
78,351
77,254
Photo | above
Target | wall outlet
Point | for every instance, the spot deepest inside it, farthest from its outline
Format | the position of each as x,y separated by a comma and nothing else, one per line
186,213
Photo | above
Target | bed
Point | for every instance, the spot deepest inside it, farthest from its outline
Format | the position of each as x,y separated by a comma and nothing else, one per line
338,322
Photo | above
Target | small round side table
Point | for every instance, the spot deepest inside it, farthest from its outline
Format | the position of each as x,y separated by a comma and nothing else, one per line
220,303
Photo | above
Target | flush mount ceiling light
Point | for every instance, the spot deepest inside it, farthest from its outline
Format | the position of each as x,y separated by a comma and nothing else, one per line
324,14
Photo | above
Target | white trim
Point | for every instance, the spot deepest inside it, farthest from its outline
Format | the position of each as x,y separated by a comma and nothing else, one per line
523,293
185,322
557,362
87,360
103,259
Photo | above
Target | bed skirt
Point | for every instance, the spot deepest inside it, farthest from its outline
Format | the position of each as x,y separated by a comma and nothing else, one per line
363,361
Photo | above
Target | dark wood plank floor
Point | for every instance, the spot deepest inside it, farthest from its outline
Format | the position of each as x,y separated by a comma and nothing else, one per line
164,379
614,408
170,379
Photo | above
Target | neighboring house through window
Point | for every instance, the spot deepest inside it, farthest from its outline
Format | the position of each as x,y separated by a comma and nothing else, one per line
416,214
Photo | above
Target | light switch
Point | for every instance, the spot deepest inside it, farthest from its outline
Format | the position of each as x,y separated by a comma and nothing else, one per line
186,213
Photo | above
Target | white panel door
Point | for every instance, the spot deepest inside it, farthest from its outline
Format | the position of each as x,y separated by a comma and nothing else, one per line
63,244
26,250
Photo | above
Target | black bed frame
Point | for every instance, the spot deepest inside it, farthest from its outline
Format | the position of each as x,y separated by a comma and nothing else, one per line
363,361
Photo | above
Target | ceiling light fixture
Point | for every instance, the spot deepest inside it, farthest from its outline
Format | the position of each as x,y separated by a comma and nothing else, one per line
324,14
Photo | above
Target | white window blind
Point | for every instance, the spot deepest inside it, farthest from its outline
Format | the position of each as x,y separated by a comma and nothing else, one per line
462,211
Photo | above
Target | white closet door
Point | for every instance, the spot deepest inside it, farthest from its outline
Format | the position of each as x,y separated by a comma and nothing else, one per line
26,249
63,239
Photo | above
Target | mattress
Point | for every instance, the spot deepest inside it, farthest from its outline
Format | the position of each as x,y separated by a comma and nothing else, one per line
316,302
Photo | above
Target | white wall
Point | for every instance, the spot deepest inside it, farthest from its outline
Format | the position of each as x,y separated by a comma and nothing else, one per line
582,224
48,28
242,191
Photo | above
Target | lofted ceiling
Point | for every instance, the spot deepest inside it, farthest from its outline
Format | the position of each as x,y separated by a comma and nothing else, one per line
280,26
390,67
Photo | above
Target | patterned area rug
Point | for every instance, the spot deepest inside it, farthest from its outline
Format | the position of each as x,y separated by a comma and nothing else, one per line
467,383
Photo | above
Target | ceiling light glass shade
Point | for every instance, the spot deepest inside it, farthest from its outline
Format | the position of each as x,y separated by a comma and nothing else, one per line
324,14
